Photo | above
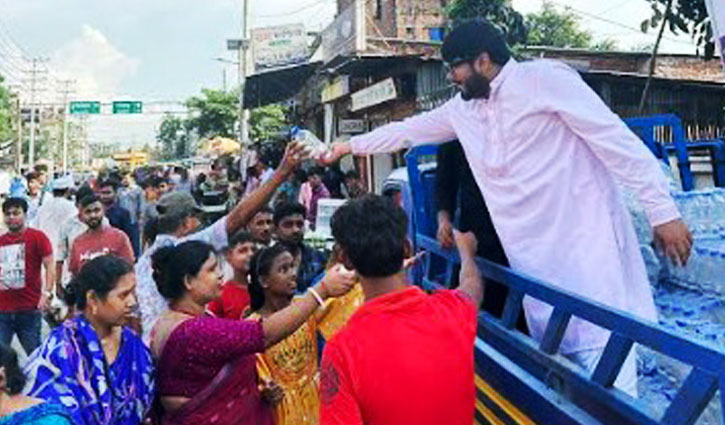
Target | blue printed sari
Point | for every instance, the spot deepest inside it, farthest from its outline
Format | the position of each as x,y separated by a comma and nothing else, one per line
41,414
71,369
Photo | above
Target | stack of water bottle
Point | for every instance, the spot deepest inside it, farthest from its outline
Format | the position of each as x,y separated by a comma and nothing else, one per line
704,213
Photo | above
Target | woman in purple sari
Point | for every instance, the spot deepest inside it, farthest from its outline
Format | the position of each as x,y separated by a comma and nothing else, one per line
99,370
207,372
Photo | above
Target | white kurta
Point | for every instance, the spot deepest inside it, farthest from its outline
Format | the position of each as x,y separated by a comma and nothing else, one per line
545,152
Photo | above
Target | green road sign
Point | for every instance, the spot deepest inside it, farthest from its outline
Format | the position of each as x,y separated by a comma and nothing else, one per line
127,107
85,107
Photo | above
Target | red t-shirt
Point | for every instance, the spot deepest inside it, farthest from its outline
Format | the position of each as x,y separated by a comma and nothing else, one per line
232,303
21,261
403,358
90,245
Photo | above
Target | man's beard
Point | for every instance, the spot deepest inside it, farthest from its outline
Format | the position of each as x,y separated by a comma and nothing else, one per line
94,224
476,87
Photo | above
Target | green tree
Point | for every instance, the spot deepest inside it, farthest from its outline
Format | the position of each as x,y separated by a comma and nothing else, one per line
214,113
683,16
171,133
6,117
562,28
550,27
267,122
498,12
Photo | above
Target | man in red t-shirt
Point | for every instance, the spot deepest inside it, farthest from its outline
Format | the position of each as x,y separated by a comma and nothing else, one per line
23,253
404,357
98,239
234,299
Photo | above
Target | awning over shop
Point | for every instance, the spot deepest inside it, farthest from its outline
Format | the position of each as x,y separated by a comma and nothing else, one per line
277,85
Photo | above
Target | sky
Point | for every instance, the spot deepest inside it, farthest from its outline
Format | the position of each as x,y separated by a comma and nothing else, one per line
163,51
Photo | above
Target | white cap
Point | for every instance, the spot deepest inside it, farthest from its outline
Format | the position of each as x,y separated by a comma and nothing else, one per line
63,183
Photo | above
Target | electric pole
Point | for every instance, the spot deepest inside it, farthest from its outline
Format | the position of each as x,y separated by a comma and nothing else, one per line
243,69
66,90
34,72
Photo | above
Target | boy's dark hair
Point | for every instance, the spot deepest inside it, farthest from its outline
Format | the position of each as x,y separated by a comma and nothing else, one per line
15,203
88,200
32,175
316,171
240,238
265,209
83,192
14,378
372,232
287,209
352,174
109,182
471,38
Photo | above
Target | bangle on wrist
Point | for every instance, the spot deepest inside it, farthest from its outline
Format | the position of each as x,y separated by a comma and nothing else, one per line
315,294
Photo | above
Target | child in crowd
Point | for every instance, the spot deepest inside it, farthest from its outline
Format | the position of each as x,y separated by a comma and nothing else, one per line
235,296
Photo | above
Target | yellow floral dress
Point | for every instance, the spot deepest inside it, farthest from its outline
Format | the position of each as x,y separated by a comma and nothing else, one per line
293,362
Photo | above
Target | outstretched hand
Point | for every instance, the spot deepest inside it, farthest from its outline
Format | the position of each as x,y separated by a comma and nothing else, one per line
467,244
338,280
294,154
335,153
675,240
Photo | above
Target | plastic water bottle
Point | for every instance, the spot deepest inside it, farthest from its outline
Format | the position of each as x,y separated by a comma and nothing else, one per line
314,146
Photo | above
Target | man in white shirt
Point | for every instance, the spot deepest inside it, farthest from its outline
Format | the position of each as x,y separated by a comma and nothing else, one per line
55,211
547,154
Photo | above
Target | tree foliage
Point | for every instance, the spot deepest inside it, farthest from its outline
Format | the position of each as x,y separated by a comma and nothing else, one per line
498,12
267,122
685,16
6,116
550,27
214,113
555,28
170,135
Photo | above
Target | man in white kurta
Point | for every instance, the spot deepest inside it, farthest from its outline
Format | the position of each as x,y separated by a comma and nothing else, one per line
546,153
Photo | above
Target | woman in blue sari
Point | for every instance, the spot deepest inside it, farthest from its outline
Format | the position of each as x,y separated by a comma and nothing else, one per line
99,370
17,409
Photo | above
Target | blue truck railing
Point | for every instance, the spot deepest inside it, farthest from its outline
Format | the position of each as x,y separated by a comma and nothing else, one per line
523,381
645,128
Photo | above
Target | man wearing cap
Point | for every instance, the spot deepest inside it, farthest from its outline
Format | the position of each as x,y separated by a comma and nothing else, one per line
547,155
178,221
56,210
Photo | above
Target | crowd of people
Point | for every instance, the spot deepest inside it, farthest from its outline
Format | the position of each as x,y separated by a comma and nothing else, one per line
148,328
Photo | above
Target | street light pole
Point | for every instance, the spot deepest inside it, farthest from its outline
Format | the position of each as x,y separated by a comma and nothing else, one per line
243,68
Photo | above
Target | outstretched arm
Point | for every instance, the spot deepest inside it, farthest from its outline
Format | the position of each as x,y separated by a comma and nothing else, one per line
471,281
245,210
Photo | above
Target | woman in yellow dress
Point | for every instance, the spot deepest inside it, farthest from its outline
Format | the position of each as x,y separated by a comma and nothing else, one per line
292,363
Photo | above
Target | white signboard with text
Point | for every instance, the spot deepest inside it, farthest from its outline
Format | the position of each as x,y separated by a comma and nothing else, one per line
373,95
279,46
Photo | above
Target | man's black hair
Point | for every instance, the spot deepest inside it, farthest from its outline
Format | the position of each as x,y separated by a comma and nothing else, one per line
265,209
372,233
352,174
316,171
287,209
82,192
32,175
109,182
468,40
15,203
239,238
88,200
